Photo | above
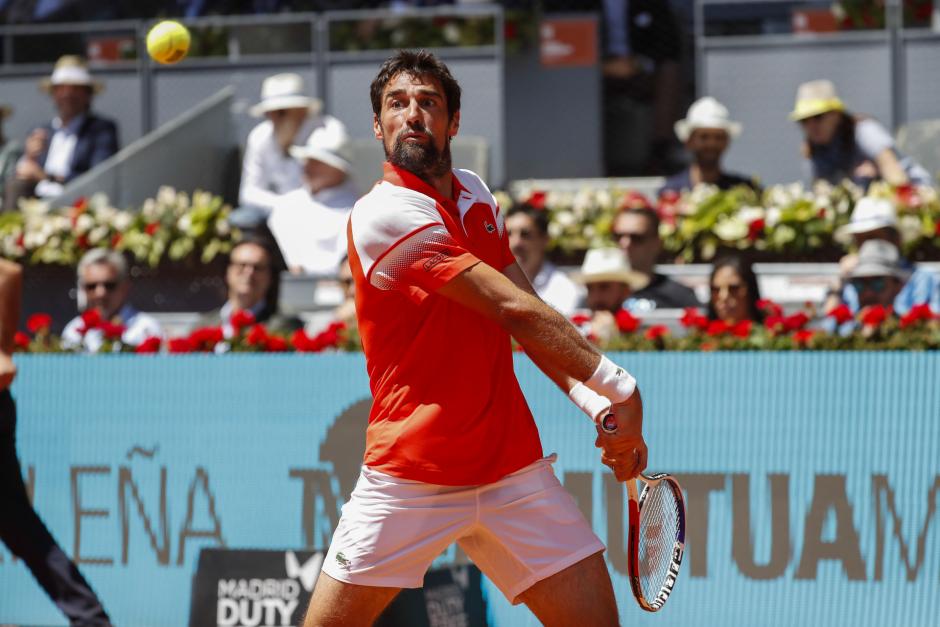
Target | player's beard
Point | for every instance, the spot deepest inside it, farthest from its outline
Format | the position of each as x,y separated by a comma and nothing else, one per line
423,160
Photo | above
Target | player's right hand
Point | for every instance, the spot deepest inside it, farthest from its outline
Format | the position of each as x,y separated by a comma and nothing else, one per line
625,451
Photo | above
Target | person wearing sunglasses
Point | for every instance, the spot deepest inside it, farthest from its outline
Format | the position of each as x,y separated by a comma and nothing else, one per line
635,230
733,291
839,145
103,286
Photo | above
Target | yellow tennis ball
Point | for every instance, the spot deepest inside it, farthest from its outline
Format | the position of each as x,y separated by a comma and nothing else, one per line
168,42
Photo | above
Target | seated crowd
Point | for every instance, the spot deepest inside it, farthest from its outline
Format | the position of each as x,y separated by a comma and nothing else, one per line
296,195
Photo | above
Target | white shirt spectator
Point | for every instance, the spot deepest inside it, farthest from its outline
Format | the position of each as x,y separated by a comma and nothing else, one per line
59,157
267,170
555,288
310,229
137,328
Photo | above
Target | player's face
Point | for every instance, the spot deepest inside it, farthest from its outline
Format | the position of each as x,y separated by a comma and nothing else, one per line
414,125
103,289
249,274
707,145
526,242
729,295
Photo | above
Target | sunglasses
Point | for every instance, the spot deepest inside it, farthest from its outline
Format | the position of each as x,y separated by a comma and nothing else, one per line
875,284
109,286
734,287
636,238
242,266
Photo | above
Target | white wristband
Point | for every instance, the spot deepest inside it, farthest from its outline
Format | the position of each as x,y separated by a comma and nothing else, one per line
589,401
612,381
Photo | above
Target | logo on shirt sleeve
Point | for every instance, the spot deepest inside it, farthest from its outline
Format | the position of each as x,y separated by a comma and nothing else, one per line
433,261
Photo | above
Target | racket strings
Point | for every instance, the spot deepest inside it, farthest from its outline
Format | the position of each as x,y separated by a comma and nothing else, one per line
659,525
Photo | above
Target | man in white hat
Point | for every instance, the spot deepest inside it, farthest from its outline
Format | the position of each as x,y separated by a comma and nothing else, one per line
706,131
75,141
876,220
268,169
609,280
309,223
10,151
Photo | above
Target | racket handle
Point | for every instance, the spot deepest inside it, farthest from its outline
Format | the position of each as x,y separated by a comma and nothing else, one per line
608,424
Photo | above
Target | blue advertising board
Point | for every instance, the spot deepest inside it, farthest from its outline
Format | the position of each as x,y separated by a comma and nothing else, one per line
811,478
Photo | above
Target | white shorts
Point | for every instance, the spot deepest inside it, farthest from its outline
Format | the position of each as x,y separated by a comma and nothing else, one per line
518,530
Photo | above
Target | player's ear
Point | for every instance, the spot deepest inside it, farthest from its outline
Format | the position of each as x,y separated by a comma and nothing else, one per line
454,125
376,127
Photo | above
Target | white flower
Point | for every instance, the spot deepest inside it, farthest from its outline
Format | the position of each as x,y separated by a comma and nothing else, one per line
122,221
773,217
34,239
166,196
84,223
150,211
564,219
451,33
909,227
97,234
184,223
555,230
731,229
749,214
222,227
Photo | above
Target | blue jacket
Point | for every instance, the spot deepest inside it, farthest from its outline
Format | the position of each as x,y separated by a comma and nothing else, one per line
97,140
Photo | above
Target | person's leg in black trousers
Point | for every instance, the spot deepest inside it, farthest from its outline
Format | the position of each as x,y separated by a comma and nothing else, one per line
27,537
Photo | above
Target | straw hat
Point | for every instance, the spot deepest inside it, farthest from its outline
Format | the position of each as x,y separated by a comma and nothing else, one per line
284,91
71,69
609,264
815,98
706,113
328,143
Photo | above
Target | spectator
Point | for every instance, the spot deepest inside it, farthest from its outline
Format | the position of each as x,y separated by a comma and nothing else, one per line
876,219
839,145
10,151
21,529
103,287
268,170
636,232
878,277
609,280
253,284
706,131
734,291
309,223
527,228
75,141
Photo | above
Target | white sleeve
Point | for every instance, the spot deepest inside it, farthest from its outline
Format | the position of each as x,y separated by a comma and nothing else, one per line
253,190
872,138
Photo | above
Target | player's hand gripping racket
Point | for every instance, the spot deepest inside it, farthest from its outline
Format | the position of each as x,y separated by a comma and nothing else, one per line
657,534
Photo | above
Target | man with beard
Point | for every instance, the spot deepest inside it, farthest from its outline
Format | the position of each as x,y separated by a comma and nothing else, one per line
452,451
706,131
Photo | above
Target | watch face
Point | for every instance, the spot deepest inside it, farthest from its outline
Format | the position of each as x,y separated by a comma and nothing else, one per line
609,423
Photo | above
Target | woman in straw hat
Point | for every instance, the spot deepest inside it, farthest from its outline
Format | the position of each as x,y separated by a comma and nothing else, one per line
841,146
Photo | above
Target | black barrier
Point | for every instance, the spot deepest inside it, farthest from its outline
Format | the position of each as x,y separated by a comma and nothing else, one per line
260,588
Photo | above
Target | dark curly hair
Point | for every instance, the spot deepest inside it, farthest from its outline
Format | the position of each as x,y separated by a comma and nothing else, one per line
416,64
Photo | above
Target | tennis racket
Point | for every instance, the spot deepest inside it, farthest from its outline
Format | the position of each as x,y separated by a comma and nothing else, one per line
656,539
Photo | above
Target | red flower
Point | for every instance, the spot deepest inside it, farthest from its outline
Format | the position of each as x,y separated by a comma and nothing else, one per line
39,323
82,242
656,331
81,203
537,200
769,307
180,345
873,316
111,330
708,346
275,344
692,319
795,321
150,345
917,313
151,228
775,323
742,329
257,335
716,328
91,319
580,318
205,338
20,340
241,319
802,337
635,200
908,196
626,322
300,341
840,313
755,229
115,240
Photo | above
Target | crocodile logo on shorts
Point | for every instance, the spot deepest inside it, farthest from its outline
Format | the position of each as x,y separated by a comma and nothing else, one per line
342,561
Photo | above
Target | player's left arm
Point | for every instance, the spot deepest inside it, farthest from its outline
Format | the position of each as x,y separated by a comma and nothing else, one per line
11,289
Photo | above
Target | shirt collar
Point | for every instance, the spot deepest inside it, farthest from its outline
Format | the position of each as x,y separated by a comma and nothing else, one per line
72,127
403,178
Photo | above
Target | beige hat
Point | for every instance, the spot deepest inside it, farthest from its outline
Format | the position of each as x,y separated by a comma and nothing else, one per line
815,98
284,91
71,69
328,143
609,264
706,113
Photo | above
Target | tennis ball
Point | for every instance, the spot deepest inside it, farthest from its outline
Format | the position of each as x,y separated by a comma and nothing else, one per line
168,42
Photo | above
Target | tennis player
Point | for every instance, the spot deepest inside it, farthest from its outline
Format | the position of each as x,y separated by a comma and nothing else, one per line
452,451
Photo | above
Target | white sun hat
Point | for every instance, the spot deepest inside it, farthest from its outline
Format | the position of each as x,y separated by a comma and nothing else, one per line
284,91
706,113
609,264
871,214
329,143
71,69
